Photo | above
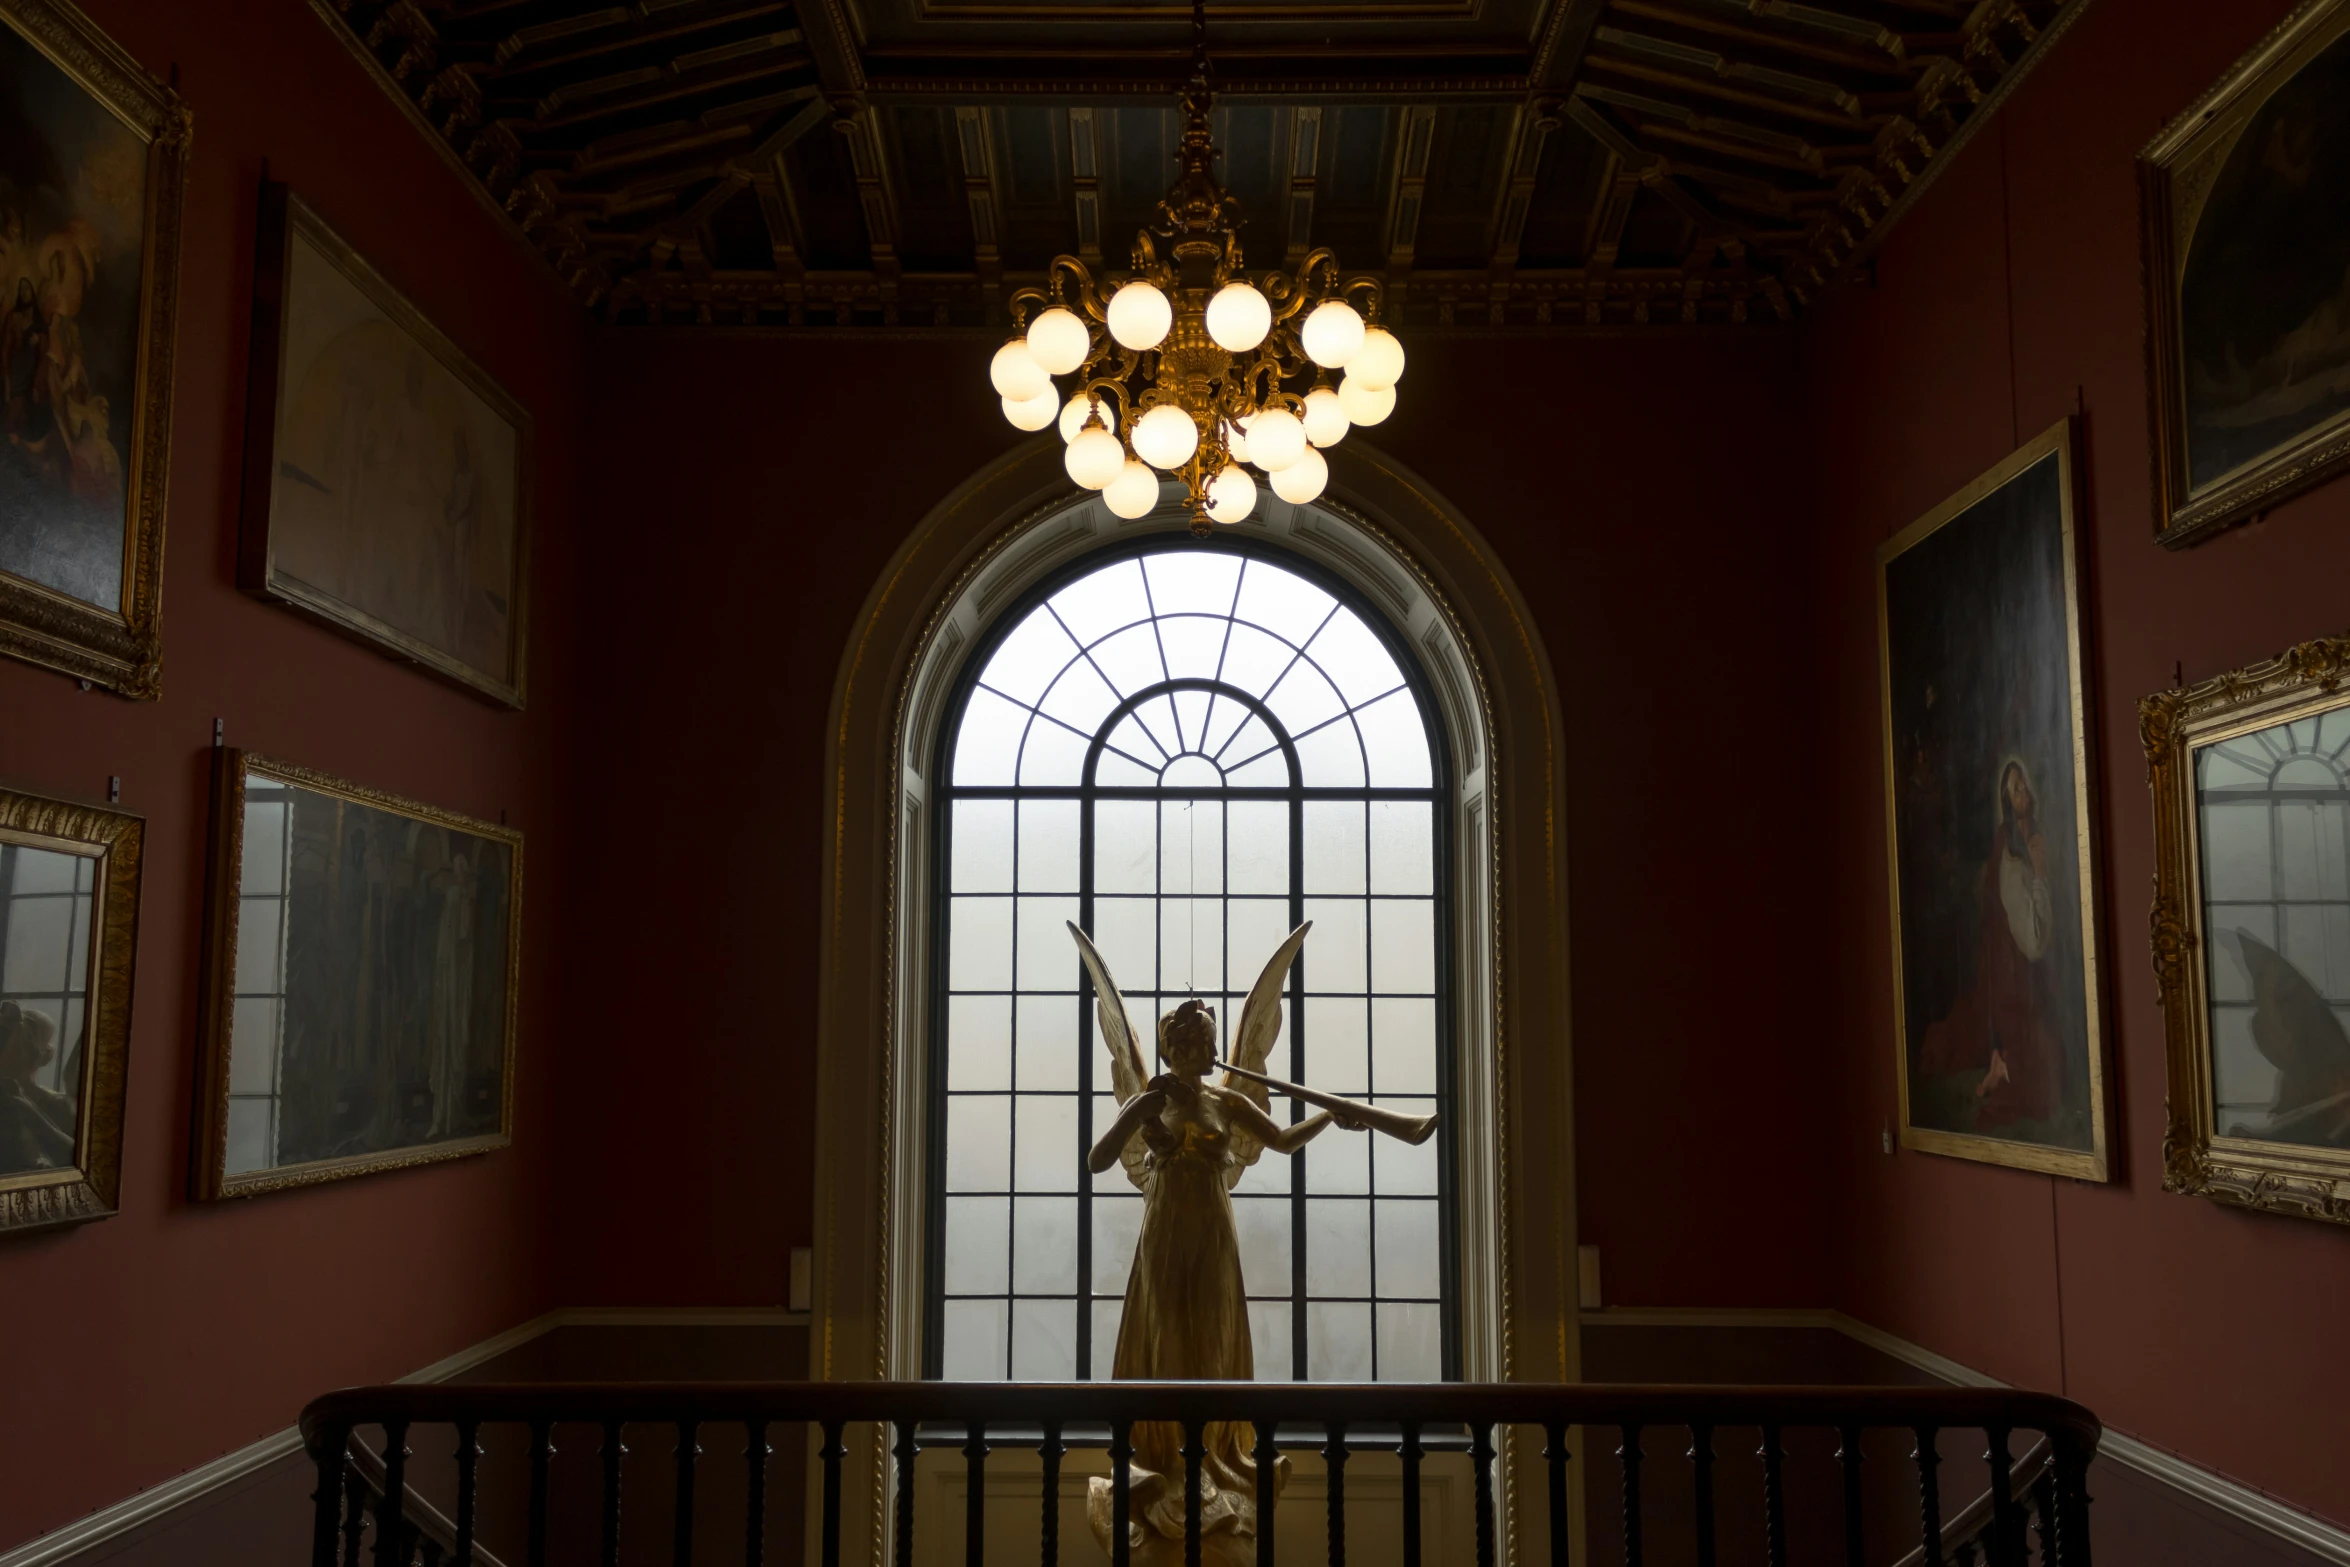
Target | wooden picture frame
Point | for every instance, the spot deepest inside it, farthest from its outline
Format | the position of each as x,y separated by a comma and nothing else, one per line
77,867
2248,372
2231,761
361,982
426,557
1999,1010
86,346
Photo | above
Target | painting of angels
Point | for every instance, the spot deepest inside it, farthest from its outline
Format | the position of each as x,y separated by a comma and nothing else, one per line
1999,1016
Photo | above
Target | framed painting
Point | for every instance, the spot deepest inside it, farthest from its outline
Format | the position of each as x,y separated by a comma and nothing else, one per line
1998,1014
359,982
69,927
2251,779
93,169
2246,206
386,487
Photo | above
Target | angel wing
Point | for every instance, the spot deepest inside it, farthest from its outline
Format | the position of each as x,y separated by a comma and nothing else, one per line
1127,1076
1252,1044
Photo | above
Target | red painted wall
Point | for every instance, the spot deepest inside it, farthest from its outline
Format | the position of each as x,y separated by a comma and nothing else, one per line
2008,298
173,1332
1638,490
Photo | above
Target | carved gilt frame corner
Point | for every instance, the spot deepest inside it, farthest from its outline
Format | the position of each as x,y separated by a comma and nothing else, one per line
91,1188
121,650
2197,1160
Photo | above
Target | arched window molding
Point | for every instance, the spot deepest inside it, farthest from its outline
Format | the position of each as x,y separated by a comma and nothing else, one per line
1421,567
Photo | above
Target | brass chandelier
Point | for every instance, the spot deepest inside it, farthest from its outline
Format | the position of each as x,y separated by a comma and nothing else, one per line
1192,366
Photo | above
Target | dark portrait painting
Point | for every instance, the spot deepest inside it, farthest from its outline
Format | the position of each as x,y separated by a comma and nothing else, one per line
1995,935
363,994
2249,237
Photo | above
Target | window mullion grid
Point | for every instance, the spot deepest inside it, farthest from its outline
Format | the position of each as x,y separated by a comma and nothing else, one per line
1297,1074
1087,1048
1012,1102
1370,1081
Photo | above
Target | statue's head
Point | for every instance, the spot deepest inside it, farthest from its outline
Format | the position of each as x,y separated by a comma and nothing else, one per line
1187,1037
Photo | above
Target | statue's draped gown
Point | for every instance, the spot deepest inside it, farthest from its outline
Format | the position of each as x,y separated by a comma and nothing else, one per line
1186,1319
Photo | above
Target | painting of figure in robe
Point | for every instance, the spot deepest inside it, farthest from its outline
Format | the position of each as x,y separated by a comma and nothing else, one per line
392,503
1999,1019
73,209
368,1009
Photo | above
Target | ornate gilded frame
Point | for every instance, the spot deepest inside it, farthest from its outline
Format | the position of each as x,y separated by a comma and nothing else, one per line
2197,1160
122,650
210,1178
2057,442
2175,171
92,1187
284,217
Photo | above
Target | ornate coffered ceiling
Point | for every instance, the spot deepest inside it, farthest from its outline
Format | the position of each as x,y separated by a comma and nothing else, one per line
1502,163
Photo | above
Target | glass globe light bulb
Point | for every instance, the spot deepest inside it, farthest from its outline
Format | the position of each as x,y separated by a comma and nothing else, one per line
1032,413
1232,494
1333,334
1239,318
1325,418
1016,374
1236,440
1275,439
1095,458
1133,493
1140,315
1379,362
1058,341
1365,404
1165,437
1073,414
1303,479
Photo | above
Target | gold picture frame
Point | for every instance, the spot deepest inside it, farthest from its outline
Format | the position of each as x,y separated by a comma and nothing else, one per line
366,1021
2292,710
111,843
2228,448
331,338
53,622
1999,1010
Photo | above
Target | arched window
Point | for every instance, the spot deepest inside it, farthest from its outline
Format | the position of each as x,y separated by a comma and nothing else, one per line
1188,749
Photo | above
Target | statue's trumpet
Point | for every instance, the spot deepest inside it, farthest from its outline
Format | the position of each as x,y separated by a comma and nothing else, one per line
1413,1129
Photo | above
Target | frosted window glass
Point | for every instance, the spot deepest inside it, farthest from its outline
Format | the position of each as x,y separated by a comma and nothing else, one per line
974,1334
1253,660
982,846
1191,945
1304,699
1269,1327
1047,1048
1396,742
979,1042
1106,1316
1027,661
40,934
1048,958
1081,698
1117,1224
252,1050
1269,771
1191,707
251,1135
979,1141
1191,846
1403,1049
1331,757
987,747
43,870
1336,1042
1125,839
1112,1182
1259,850
2236,851
977,1229
1044,1246
1194,647
1397,1167
1334,954
1053,755
1130,659
1258,927
1192,581
1046,1157
1044,1340
1252,741
1126,932
1157,717
1334,847
1354,658
1271,1175
1410,1344
1282,602
1403,853
1048,847
257,940
1099,603
1262,1224
1403,946
1338,1162
1338,1342
261,868
1137,744
979,941
1113,771
1223,717
1407,1249
1338,1246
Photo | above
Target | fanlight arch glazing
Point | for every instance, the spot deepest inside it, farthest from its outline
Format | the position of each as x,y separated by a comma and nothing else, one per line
1186,751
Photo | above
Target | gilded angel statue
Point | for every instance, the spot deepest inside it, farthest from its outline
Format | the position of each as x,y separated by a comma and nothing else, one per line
1185,1142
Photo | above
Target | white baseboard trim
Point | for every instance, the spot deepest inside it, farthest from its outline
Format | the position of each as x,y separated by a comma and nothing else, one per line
83,1534
2323,1540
